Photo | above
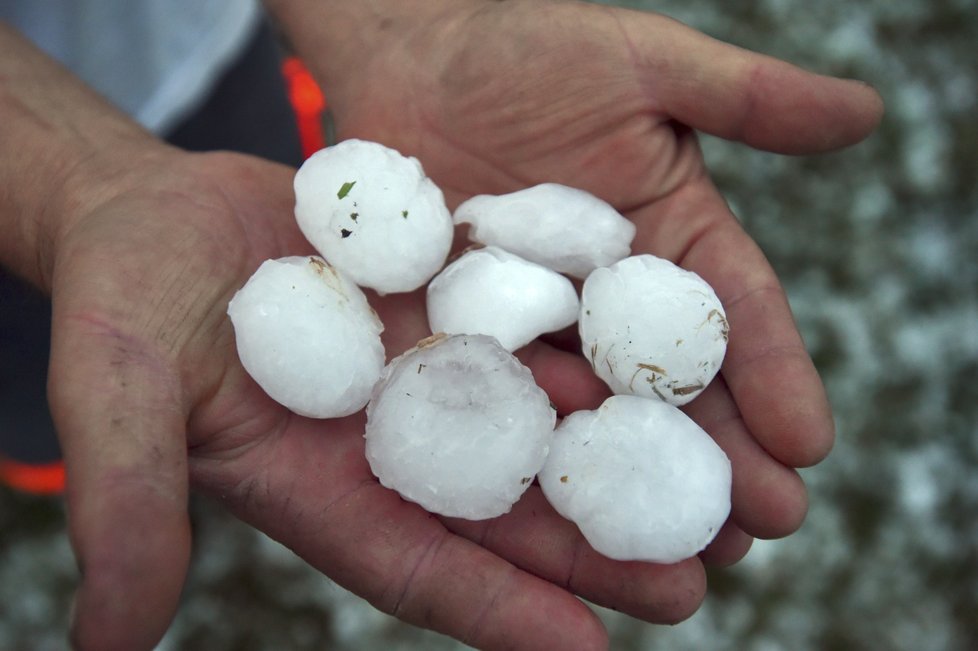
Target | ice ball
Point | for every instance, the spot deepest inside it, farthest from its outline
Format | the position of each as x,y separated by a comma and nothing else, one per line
650,328
640,479
374,215
308,337
489,291
459,426
562,228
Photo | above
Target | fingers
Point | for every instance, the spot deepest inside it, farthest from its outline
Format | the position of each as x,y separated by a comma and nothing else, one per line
772,379
534,537
540,541
768,499
121,428
311,489
730,545
741,95
566,377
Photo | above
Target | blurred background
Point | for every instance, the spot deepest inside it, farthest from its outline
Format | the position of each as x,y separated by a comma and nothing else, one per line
877,247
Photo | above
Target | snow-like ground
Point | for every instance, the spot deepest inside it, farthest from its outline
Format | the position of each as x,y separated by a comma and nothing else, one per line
877,247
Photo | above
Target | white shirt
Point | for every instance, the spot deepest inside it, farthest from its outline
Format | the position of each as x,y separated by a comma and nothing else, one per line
154,59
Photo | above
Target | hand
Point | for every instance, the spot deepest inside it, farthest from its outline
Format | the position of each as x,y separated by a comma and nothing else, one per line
141,247
143,268
147,391
149,398
493,97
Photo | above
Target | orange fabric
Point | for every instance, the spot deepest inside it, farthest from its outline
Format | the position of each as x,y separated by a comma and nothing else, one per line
308,104
40,479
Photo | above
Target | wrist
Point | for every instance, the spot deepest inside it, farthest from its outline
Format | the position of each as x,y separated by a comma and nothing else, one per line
62,142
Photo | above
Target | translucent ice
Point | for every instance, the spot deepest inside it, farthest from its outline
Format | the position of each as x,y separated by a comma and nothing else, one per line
374,215
492,292
640,479
308,337
458,426
562,228
650,328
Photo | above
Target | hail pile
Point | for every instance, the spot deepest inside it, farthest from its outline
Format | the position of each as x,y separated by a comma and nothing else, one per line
457,424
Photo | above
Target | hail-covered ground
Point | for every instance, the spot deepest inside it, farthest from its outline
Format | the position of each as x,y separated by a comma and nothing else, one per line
876,247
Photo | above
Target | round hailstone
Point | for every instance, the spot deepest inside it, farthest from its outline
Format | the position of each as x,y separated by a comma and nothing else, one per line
652,329
308,337
640,479
489,291
458,426
562,228
374,215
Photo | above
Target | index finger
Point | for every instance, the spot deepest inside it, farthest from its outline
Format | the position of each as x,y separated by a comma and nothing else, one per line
741,95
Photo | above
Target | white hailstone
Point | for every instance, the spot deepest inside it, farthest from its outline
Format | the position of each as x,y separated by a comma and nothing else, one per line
565,229
308,337
640,479
652,329
489,291
458,425
374,215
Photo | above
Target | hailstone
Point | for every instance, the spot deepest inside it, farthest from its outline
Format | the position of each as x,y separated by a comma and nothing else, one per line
492,292
652,329
374,215
459,426
562,228
640,479
308,337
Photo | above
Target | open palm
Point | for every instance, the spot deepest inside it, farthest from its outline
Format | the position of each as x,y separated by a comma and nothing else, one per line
149,397
495,97
499,96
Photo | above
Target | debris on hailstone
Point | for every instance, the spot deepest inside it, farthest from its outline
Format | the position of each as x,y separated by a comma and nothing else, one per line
459,426
489,291
308,337
562,228
650,328
640,479
374,215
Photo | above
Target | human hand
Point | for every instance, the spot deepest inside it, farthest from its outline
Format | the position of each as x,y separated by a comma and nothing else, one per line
143,258
141,246
497,96
150,399
493,97
147,391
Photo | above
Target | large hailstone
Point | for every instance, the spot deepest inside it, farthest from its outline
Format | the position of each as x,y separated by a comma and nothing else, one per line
640,479
458,426
374,215
308,337
562,228
489,291
650,328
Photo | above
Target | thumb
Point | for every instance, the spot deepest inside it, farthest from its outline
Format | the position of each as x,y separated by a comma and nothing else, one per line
740,95
118,414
